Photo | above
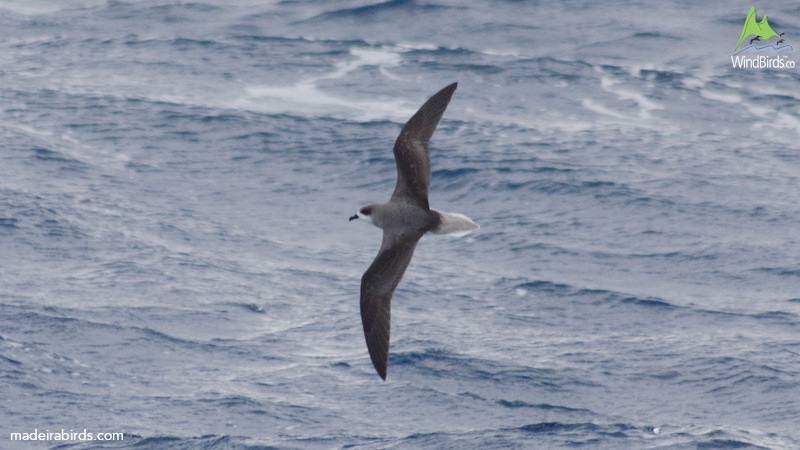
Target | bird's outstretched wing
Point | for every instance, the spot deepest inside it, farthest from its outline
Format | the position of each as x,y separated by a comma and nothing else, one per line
412,150
377,286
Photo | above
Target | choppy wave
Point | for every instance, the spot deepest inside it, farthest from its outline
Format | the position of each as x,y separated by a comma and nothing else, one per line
175,184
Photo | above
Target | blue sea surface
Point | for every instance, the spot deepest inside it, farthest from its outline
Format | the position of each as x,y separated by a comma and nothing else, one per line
176,263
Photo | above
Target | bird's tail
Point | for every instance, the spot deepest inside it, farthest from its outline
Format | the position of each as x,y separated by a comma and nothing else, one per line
454,224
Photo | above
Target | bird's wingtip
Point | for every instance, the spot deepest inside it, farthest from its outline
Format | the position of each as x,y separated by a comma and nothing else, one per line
381,371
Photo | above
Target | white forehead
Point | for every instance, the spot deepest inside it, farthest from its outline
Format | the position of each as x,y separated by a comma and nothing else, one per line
364,217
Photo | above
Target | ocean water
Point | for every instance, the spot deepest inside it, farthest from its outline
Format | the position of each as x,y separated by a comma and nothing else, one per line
176,263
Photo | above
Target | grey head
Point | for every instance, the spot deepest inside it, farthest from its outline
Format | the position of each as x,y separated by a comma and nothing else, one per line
365,213
404,219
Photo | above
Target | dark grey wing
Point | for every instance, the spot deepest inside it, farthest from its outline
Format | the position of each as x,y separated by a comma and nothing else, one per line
412,149
377,286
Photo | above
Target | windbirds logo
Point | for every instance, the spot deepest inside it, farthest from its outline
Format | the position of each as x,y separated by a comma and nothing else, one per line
762,32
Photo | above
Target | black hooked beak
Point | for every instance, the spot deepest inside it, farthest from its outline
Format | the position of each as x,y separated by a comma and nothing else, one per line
354,217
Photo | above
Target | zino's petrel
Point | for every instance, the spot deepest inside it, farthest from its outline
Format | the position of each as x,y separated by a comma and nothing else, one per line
404,219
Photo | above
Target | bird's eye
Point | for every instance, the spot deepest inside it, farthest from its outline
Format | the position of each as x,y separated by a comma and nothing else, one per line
367,211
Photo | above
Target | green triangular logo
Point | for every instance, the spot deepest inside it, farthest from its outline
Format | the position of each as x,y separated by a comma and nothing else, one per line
762,30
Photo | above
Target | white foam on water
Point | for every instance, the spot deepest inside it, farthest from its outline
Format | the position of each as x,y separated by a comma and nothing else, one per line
720,97
306,97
